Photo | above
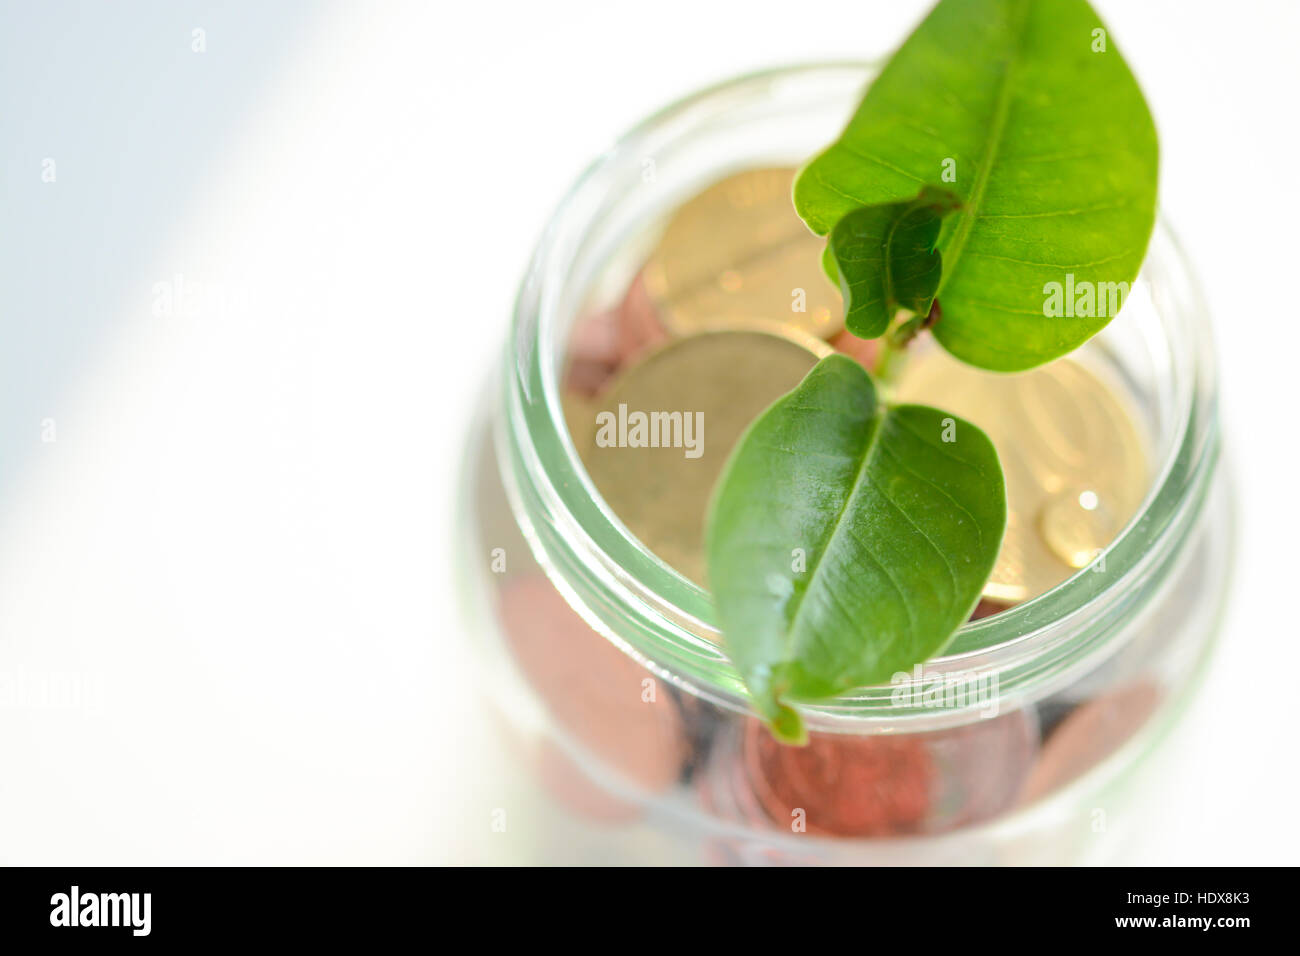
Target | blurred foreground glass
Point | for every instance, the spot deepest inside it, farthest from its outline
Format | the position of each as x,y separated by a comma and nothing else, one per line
628,726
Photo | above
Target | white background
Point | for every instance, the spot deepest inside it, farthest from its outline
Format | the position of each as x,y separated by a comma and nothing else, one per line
238,552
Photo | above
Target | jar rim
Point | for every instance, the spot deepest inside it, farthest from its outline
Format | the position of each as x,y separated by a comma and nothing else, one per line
665,620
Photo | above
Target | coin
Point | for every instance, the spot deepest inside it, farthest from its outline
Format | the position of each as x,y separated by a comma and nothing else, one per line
609,704
1074,462
864,351
738,256
986,608
1090,734
845,786
715,384
878,785
640,326
725,793
605,341
592,358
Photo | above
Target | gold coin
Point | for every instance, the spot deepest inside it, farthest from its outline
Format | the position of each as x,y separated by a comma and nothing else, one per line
738,256
655,442
1075,466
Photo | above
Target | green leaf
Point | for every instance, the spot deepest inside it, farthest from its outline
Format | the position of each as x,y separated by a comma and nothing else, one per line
1029,105
885,259
848,540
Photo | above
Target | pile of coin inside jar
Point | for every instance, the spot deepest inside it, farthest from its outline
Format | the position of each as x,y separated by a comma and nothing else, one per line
729,312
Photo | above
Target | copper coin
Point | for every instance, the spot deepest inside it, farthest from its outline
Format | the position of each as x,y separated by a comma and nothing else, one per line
874,786
847,786
593,353
610,704
725,793
640,327
987,608
603,343
864,351
1090,734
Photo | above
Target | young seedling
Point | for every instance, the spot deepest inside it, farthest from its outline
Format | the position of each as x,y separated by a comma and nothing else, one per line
1003,155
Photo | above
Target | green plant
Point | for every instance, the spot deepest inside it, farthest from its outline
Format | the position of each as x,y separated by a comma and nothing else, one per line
1003,156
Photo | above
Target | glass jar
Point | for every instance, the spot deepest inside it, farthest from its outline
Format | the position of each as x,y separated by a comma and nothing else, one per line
629,728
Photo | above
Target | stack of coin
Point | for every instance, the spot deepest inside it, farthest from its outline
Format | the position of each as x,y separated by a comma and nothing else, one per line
735,258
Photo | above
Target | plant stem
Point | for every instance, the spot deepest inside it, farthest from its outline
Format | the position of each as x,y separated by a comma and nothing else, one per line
891,357
889,360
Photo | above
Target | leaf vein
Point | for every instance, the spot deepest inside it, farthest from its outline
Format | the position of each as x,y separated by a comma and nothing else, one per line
943,491
880,490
